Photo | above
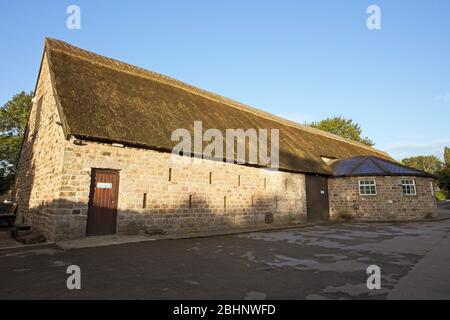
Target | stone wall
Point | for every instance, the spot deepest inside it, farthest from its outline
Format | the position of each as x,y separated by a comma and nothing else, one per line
40,164
389,204
251,193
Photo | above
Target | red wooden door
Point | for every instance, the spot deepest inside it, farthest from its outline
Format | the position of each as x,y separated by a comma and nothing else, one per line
102,210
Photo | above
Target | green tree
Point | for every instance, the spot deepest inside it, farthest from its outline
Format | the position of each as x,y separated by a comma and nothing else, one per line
443,180
430,164
340,126
13,119
447,156
443,175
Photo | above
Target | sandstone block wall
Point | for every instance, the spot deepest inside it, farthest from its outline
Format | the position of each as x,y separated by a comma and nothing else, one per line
40,164
389,204
237,195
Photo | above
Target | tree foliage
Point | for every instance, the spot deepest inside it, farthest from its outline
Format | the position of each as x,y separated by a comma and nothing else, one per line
345,128
443,178
13,119
447,156
430,164
443,175
433,165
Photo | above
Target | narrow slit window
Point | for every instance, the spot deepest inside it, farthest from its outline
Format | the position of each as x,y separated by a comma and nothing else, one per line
367,188
170,174
210,178
190,201
409,187
144,201
239,180
225,201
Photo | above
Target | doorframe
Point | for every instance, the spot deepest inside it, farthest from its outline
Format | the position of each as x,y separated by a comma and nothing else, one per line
321,218
91,195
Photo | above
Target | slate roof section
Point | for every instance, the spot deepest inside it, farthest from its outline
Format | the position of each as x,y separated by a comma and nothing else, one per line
102,99
372,166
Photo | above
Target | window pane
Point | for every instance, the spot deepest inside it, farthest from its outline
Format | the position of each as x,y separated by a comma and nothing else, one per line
367,187
409,186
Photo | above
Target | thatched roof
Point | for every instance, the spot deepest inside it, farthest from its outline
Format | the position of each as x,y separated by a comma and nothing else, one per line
106,100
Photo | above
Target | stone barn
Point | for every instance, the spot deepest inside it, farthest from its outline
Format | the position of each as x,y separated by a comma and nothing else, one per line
97,159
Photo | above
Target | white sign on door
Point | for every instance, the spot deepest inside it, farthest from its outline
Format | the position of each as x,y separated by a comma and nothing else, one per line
104,185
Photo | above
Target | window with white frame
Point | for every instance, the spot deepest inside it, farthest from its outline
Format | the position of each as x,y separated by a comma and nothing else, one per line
367,187
409,187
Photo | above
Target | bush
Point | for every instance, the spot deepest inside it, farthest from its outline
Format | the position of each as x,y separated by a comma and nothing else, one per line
440,195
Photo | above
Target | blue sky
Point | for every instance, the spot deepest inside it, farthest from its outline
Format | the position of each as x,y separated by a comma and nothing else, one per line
303,60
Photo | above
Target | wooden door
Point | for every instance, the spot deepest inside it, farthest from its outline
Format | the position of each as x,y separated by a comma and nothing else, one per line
102,210
317,198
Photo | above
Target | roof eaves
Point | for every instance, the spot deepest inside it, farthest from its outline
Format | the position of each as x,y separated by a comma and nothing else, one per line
417,171
426,175
170,150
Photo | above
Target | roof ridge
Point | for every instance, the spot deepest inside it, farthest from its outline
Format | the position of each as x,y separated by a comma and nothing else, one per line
379,165
359,164
138,71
